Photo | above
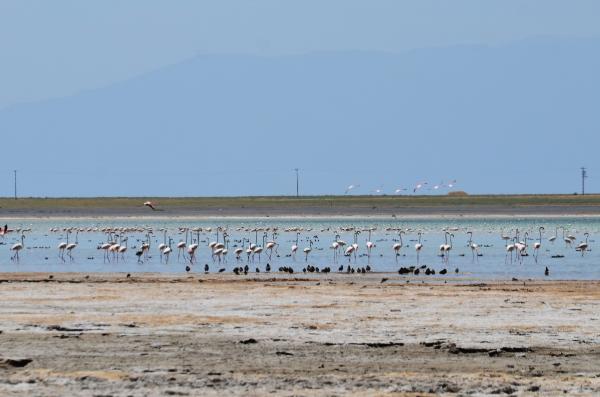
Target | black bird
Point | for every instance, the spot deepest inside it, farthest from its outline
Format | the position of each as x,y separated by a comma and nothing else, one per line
341,268
257,270
443,271
417,271
128,275
456,270
546,272
368,268
187,268
206,268
236,270
268,268
139,254
221,270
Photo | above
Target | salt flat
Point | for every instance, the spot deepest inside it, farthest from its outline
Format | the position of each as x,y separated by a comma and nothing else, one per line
151,334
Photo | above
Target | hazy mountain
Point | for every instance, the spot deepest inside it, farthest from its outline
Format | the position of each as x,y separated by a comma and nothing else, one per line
525,115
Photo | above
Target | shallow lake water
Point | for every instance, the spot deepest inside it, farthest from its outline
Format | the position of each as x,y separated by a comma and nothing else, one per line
40,253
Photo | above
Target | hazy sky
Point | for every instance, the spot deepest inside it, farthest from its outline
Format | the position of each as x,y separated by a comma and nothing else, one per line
60,47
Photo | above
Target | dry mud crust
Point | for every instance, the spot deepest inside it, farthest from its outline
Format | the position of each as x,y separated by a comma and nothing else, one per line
174,335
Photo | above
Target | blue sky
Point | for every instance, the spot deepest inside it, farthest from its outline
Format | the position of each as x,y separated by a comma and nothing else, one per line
64,49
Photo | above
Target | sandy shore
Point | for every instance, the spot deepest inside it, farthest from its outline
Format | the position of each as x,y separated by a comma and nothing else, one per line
106,334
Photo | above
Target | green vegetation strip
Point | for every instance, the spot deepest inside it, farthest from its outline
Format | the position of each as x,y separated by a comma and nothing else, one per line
304,202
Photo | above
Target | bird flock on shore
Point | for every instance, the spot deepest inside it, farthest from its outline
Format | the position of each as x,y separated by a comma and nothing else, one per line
254,245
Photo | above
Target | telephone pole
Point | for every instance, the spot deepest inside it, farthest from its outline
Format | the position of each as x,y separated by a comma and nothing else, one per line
583,178
297,183
15,171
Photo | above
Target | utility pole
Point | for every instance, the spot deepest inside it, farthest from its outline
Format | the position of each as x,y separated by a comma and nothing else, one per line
297,183
583,178
15,171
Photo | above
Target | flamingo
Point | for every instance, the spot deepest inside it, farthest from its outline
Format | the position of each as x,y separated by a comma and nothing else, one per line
538,244
583,246
474,247
553,238
398,246
355,244
62,246
509,250
181,246
123,248
258,248
370,244
17,247
72,246
167,251
272,244
419,246
163,245
295,246
307,251
521,247
349,251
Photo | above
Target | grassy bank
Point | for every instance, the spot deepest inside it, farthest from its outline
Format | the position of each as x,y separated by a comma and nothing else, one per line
284,202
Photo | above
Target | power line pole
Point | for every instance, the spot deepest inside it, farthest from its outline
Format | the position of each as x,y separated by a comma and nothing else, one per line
15,171
583,178
297,183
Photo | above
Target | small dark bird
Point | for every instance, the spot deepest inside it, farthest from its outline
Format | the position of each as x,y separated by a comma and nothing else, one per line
128,275
456,270
257,270
443,271
546,272
417,271
206,268
383,280
187,268
268,268
341,268
221,270
139,255
368,268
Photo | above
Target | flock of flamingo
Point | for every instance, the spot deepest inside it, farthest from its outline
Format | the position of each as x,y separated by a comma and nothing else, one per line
254,242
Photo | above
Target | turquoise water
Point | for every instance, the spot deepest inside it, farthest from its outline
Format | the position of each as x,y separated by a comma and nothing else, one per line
41,254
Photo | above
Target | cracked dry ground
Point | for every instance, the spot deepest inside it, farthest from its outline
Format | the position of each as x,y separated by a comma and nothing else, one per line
105,334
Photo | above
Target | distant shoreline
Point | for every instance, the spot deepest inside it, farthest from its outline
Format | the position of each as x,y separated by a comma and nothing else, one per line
315,207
